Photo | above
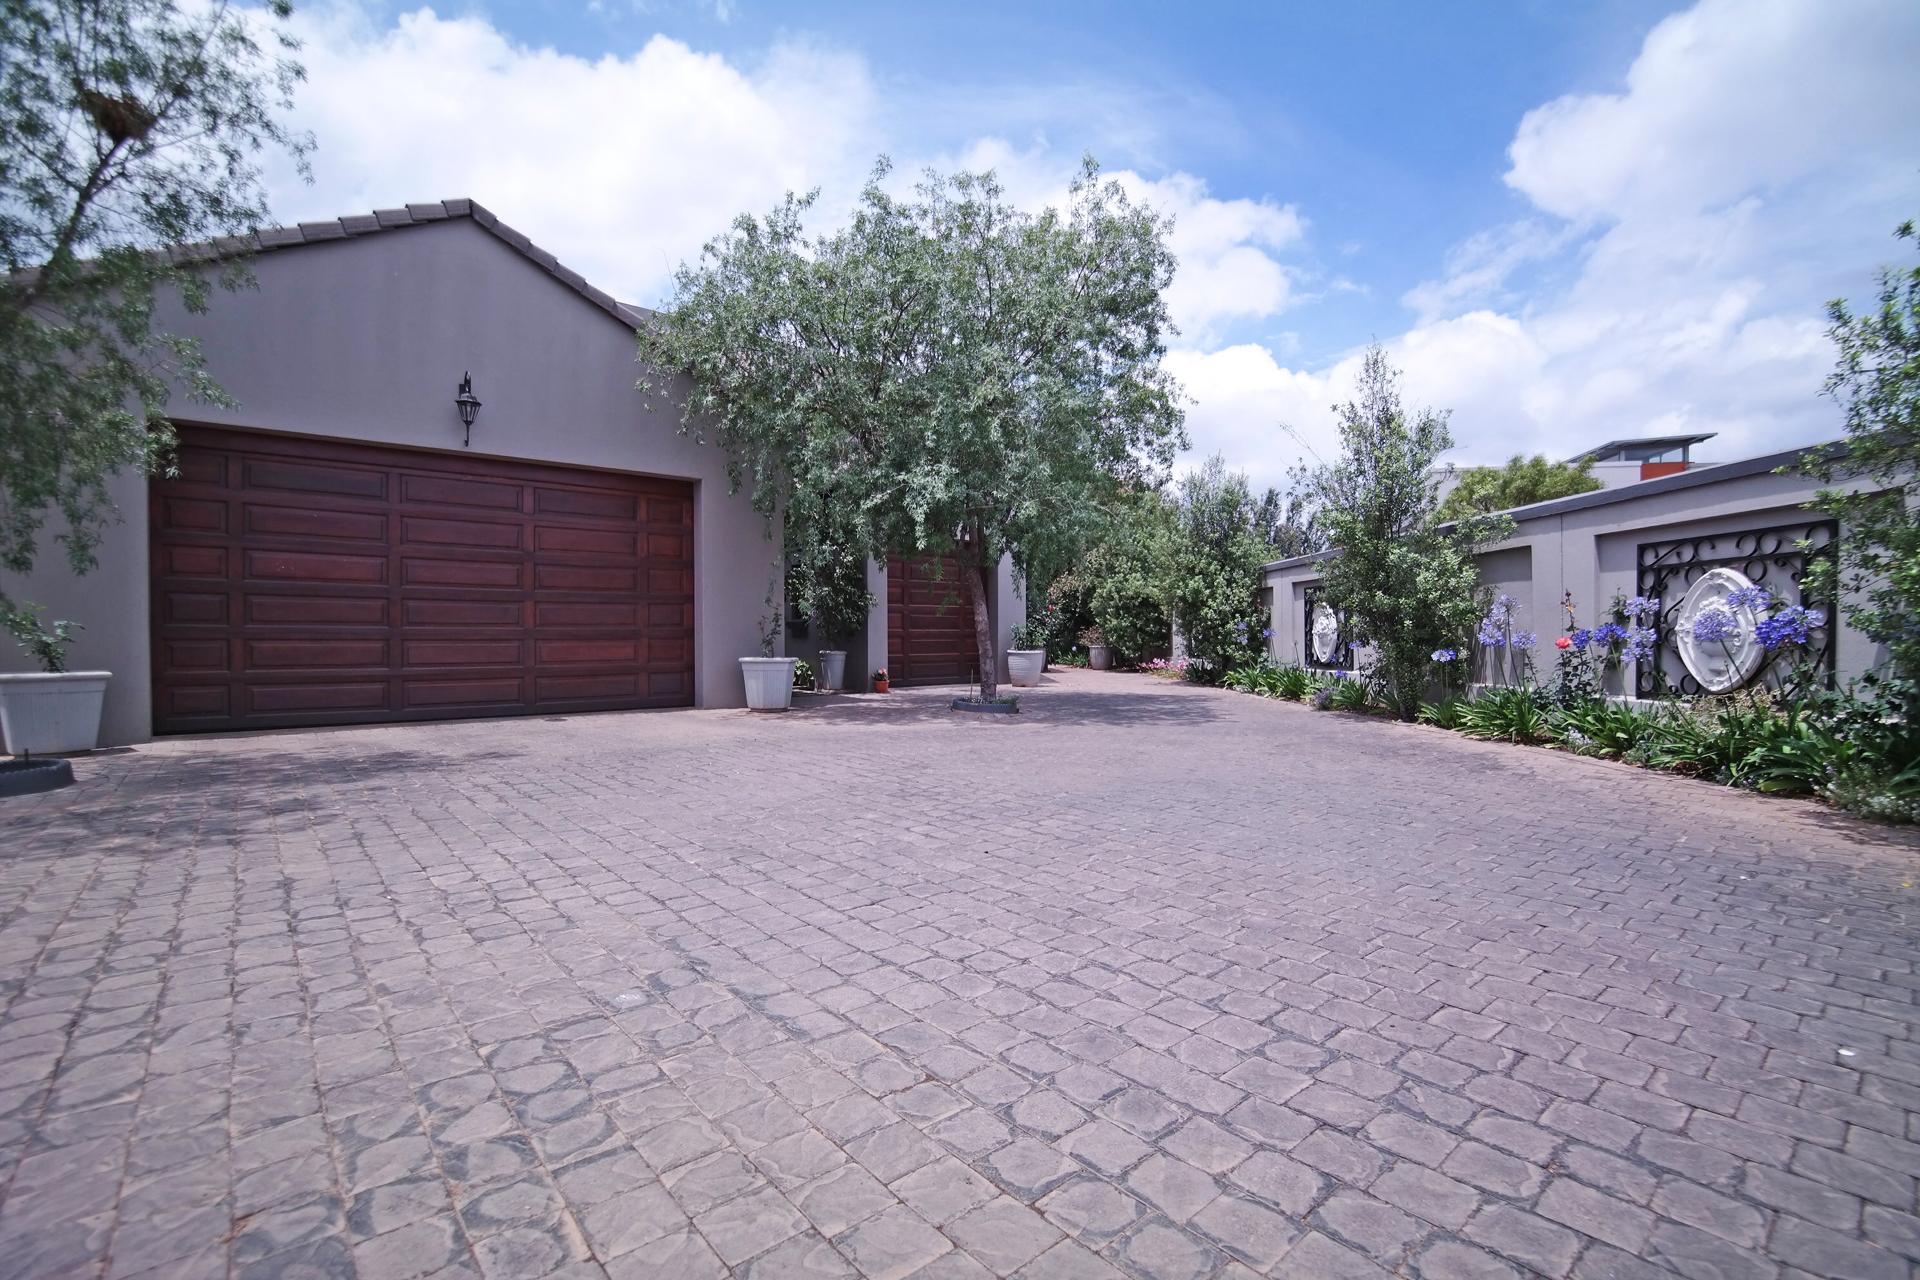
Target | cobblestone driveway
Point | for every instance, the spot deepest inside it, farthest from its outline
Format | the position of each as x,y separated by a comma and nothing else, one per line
1153,981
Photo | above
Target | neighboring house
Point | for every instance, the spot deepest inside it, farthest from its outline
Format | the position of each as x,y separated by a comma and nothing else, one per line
1623,462
1614,464
337,550
1682,539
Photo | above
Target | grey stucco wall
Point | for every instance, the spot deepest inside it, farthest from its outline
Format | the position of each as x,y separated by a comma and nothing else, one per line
366,339
1591,551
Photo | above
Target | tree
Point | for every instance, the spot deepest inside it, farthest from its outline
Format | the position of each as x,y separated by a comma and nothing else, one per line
1873,483
1406,581
1126,573
1291,522
129,129
1485,490
967,377
1218,547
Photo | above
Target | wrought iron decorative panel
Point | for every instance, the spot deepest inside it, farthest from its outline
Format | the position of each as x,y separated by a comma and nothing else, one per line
1342,658
1775,558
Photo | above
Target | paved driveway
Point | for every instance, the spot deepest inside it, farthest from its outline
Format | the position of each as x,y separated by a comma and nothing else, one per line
1151,980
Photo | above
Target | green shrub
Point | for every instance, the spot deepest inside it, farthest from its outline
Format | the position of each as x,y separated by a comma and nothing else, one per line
1509,715
1444,714
1606,729
1350,693
1291,682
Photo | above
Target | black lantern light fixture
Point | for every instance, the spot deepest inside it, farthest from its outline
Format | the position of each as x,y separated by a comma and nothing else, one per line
469,406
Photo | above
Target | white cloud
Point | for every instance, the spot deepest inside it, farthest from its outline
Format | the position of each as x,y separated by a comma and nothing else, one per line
622,166
1730,97
1694,223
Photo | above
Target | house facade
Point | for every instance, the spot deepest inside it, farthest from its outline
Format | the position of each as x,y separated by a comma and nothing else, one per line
341,548
1684,539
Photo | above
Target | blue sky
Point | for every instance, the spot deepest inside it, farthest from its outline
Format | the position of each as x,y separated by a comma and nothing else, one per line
1567,221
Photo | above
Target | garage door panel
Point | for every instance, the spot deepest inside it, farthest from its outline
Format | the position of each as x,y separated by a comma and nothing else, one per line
332,699
200,466
347,583
587,688
314,612
314,566
491,614
314,655
194,515
193,608
185,560
586,578
622,507
198,655
276,522
587,613
493,535
198,702
564,540
464,653
504,691
306,477
427,491
492,575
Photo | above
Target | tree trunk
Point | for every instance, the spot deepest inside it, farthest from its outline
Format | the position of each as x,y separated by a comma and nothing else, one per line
973,577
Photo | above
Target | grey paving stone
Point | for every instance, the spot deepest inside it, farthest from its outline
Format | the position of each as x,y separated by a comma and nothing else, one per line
506,1013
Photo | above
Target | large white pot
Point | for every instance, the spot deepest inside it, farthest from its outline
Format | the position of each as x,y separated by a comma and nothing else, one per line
52,714
769,682
1024,667
833,670
1099,657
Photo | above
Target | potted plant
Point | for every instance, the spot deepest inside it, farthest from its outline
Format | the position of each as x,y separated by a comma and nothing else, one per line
53,711
769,680
1028,656
841,604
880,684
1099,656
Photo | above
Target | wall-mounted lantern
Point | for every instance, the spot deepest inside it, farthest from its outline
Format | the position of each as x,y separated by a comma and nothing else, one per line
469,406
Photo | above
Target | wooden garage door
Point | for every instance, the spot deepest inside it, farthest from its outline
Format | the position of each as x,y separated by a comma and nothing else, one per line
929,627
306,582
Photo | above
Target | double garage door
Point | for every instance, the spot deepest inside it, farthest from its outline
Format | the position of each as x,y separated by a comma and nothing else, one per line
307,582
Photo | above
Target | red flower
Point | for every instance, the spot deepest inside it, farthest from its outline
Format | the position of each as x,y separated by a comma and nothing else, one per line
1564,642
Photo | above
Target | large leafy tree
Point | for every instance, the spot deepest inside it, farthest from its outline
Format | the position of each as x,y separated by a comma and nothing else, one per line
1218,547
128,129
1405,579
963,376
1873,483
1484,490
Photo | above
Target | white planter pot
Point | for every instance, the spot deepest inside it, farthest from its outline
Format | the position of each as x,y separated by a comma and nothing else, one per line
1024,667
769,682
1099,657
833,670
52,714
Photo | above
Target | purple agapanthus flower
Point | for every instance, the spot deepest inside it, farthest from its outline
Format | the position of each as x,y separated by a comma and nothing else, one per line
1715,624
1581,638
1446,655
1749,597
1609,633
1641,608
1525,640
1790,626
1637,643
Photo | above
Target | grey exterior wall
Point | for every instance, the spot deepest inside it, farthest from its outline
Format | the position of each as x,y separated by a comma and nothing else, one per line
365,339
1588,545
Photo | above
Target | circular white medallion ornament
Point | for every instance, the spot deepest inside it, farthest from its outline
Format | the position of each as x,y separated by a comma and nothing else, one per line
1326,633
1729,661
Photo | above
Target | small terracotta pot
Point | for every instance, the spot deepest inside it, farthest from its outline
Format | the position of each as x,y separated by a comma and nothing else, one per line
879,685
